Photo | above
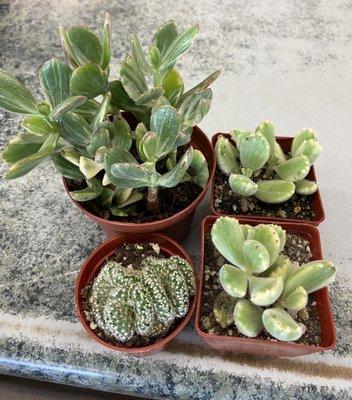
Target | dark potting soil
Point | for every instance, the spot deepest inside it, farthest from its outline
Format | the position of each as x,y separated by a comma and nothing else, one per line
129,255
228,202
298,250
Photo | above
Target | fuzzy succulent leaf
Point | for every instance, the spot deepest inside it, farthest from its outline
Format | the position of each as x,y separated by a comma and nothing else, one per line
39,125
199,169
281,325
204,84
239,135
21,147
256,256
248,318
296,300
281,267
242,185
106,43
66,168
67,105
300,137
267,129
74,129
306,187
294,169
54,77
265,291
274,191
132,78
279,155
173,87
233,280
227,236
14,96
226,155
310,148
89,80
224,305
254,151
176,174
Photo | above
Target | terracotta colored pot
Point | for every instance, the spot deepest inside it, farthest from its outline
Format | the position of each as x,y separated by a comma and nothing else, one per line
317,205
92,266
262,346
176,226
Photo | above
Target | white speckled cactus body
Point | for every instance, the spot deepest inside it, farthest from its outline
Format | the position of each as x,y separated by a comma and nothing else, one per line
267,288
258,167
127,302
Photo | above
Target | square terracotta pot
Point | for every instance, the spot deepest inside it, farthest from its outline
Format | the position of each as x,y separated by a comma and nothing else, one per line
317,204
263,346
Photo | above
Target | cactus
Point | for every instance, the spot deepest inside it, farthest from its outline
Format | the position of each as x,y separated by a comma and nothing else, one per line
258,167
141,301
262,281
80,128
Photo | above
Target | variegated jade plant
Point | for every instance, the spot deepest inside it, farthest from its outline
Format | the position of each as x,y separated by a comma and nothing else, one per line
79,125
257,165
263,287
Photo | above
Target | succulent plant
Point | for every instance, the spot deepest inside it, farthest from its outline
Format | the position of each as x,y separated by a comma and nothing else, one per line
258,167
264,282
144,301
79,125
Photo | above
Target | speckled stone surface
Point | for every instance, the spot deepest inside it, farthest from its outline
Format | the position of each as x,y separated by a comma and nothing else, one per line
288,61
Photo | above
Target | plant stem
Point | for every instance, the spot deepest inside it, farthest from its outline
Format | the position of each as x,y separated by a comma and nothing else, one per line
152,199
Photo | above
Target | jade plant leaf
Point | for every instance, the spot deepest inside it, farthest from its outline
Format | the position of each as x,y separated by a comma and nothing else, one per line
281,325
149,97
67,105
66,168
176,174
21,147
265,291
89,167
132,78
164,36
89,80
204,84
138,55
14,96
54,77
122,136
233,280
102,112
148,146
242,185
294,169
38,124
93,190
195,107
106,43
226,155
173,87
128,175
274,191
248,318
74,129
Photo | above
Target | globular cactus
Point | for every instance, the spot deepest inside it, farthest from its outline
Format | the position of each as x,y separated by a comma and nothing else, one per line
80,127
259,277
127,302
258,167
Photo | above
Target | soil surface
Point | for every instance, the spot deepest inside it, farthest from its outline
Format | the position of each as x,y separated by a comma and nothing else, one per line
228,202
298,249
129,255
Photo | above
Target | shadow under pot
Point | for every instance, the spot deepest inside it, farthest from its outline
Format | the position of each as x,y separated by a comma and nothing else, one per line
176,225
298,208
136,292
317,316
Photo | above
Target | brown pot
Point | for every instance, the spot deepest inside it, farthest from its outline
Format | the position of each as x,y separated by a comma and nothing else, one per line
262,346
176,226
92,266
317,204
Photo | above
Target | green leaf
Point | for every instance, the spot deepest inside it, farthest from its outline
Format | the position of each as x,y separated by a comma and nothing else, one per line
81,45
66,168
88,109
100,138
70,155
248,318
21,147
138,55
306,187
310,148
148,146
267,129
300,137
233,280
106,47
199,169
227,237
67,105
265,291
294,169
74,129
175,176
201,86
296,300
242,185
89,167
92,191
281,267
223,307
281,325
154,56
132,78
165,122
254,152
14,96
101,114
120,99
149,97
226,155
274,191
134,176
178,47
195,106
256,255
39,125
115,155
89,80
122,136
55,78
106,197
173,86
164,36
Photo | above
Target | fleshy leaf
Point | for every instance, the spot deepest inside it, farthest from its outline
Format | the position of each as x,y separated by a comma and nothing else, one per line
21,147
74,129
89,80
199,169
70,155
173,86
175,175
248,318
67,105
267,129
106,43
134,176
256,255
281,267
139,56
204,84
66,168
294,169
242,185
92,191
101,113
254,151
39,125
300,137
296,300
226,155
265,291
195,107
14,96
149,97
310,148
132,78
164,36
306,187
89,167
281,325
148,146
233,280
123,136
274,191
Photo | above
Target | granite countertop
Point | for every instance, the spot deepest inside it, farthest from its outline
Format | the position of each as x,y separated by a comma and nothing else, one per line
287,61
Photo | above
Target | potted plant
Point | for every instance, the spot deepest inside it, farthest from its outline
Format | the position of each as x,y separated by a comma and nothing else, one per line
263,288
136,292
140,171
262,176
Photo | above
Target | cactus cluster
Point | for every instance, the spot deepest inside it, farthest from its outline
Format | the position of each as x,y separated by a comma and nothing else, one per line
262,288
257,165
79,125
144,301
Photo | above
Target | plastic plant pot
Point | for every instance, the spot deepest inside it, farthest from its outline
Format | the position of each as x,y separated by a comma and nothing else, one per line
263,346
317,204
178,225
91,268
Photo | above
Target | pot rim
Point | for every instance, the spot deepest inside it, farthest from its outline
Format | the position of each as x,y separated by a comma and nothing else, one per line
258,342
161,222
164,242
319,204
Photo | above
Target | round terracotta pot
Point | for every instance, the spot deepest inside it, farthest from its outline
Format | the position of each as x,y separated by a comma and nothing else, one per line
176,226
95,261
